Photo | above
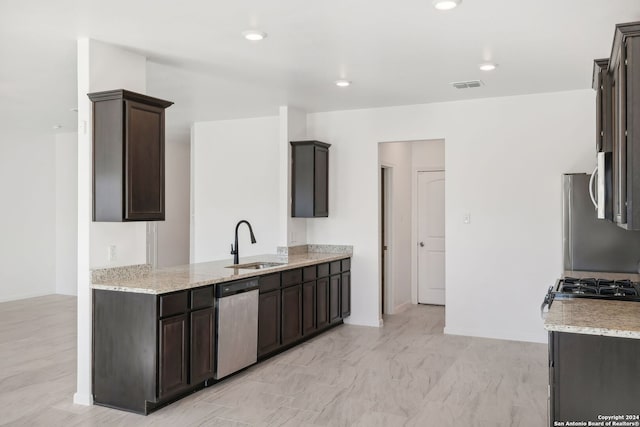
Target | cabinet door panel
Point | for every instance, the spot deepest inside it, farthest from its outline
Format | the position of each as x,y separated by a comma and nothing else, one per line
321,182
308,307
268,322
334,298
202,345
322,302
291,314
345,299
144,148
173,350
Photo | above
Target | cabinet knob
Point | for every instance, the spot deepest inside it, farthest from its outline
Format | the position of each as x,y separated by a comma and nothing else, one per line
422,244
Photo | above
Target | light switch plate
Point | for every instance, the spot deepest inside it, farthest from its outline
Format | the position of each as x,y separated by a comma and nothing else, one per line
112,253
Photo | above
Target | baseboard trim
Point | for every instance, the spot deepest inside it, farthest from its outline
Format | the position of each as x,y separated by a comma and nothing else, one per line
25,296
85,399
506,336
362,322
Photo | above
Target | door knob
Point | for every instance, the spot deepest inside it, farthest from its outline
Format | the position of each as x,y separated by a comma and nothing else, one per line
422,244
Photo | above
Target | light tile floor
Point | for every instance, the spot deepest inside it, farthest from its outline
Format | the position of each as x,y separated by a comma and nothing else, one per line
405,374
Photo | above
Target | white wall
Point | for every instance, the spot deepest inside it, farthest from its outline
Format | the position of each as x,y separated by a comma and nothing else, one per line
504,160
173,232
234,176
397,156
66,194
293,127
27,238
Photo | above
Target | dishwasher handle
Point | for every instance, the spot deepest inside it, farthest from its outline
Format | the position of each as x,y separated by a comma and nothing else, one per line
237,287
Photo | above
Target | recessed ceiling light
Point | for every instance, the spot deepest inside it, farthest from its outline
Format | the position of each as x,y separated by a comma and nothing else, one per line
446,4
343,83
488,66
254,35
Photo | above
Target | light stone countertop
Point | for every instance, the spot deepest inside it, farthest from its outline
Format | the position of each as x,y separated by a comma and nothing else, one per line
188,276
595,317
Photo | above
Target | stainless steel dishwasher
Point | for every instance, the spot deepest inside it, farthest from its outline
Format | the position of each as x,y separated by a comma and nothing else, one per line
236,326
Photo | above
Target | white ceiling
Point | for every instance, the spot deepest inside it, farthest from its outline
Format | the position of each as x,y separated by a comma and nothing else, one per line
395,52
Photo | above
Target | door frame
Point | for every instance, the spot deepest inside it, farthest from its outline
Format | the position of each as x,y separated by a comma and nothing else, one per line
414,228
389,302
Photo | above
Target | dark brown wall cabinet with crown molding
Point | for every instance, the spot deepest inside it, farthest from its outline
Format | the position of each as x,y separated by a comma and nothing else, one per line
128,156
617,83
310,179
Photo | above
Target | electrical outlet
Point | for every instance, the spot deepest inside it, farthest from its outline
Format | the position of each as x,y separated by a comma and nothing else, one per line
112,253
466,218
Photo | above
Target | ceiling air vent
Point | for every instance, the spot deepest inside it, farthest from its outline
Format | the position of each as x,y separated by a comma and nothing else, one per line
468,84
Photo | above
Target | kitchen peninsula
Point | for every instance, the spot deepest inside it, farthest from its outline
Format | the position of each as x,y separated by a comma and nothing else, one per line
156,332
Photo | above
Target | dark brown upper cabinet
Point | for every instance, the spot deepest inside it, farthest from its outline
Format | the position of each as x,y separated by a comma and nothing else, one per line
128,156
617,84
310,179
602,85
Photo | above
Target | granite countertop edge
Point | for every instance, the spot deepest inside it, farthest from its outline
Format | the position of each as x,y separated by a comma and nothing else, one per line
594,317
172,279
594,331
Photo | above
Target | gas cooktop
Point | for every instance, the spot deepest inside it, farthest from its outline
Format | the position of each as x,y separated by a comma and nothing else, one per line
570,287
600,288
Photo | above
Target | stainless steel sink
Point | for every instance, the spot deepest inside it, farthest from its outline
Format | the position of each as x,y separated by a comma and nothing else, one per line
256,265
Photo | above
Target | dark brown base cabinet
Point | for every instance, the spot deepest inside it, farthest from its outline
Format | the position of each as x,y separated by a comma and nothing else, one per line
149,350
291,314
591,376
309,322
322,302
269,322
303,303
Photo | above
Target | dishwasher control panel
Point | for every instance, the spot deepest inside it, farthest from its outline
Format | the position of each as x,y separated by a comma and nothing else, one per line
232,288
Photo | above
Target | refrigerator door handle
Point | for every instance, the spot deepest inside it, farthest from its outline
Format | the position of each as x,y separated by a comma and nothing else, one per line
600,186
591,190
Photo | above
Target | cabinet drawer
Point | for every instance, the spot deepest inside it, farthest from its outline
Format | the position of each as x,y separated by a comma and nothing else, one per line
309,273
202,297
291,277
335,267
269,282
323,270
175,303
346,264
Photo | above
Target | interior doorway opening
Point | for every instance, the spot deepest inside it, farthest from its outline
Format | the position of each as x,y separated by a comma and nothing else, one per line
399,164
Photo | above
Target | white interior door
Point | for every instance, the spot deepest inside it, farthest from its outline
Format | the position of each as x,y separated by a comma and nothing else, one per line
431,250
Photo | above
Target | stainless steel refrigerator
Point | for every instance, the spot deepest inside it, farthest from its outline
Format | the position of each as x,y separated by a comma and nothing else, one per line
592,244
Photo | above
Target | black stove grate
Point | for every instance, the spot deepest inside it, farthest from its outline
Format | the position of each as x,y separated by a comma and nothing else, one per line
594,287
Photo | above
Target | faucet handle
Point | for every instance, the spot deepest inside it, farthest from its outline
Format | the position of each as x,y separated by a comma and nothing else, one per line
233,252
